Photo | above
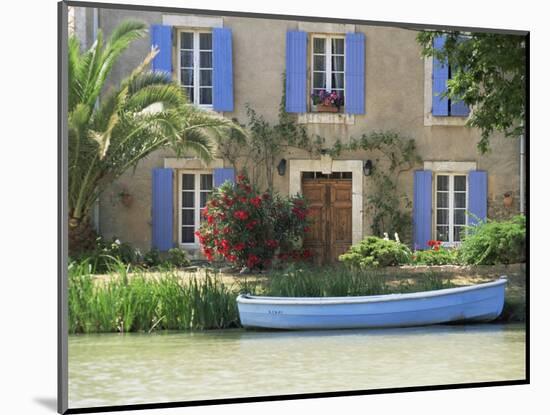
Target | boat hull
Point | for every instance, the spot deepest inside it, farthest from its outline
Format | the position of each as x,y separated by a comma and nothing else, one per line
479,303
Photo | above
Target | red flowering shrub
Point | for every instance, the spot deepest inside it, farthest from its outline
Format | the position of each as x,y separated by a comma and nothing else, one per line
250,229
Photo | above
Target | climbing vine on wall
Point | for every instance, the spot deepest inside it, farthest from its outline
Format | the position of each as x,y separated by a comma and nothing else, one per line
393,154
261,150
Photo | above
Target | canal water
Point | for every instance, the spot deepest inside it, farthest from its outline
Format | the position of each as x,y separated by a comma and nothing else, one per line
115,369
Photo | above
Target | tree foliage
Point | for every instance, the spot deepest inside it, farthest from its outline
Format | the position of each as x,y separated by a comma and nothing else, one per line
111,131
488,74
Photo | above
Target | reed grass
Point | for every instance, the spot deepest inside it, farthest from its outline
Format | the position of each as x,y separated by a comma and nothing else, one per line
142,304
171,302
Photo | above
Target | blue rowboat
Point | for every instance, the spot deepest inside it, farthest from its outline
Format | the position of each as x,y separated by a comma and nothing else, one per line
476,303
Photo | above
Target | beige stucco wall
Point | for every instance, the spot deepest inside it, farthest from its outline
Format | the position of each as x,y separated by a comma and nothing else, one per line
395,94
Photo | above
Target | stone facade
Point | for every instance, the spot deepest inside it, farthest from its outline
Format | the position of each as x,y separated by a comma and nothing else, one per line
396,99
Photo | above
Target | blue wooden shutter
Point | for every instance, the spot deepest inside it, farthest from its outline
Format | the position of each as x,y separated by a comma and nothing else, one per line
477,196
223,175
422,208
296,50
354,95
163,209
459,109
440,75
222,75
161,38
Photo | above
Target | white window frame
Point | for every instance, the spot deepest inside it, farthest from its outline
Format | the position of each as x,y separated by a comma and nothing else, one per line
197,193
451,225
328,60
196,63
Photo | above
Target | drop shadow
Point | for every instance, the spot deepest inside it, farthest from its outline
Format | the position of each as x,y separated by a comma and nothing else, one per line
49,403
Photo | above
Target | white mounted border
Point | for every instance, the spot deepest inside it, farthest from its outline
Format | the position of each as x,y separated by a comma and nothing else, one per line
296,167
179,20
429,119
450,166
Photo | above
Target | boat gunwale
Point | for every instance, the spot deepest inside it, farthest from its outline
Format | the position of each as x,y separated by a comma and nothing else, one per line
316,301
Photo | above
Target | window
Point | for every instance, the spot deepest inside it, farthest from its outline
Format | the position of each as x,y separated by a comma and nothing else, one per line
195,65
328,64
195,188
450,207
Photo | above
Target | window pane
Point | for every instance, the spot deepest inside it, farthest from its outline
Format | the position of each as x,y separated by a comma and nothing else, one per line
206,96
187,77
205,41
318,63
206,59
188,199
188,181
460,200
187,216
206,182
338,46
442,182
442,216
318,45
187,234
186,40
458,233
308,175
319,80
460,183
187,59
204,198
442,233
338,63
346,175
190,94
338,80
442,200
460,217
206,77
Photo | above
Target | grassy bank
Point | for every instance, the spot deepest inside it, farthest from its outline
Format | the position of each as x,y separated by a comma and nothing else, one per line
173,300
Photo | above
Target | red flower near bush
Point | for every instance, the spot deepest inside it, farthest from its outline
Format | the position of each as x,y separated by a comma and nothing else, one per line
239,246
435,244
241,215
272,243
250,225
299,212
252,261
256,201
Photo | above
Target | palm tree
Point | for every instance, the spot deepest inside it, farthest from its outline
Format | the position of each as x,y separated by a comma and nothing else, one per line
107,136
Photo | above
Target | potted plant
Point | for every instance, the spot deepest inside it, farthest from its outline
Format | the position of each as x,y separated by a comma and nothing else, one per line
326,101
508,199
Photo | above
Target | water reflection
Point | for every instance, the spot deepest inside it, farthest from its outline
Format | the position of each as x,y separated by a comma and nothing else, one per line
111,369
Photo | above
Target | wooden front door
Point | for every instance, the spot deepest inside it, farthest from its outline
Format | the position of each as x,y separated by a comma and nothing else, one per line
329,202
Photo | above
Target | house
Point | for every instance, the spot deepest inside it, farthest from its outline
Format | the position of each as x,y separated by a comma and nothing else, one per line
226,62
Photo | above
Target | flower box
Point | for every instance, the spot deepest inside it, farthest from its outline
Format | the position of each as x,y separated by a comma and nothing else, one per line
326,108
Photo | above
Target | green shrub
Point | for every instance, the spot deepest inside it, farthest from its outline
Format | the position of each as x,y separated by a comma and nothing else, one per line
247,228
178,257
107,253
440,256
376,252
152,258
494,243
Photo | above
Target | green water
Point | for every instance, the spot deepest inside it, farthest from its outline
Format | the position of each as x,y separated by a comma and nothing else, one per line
112,369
